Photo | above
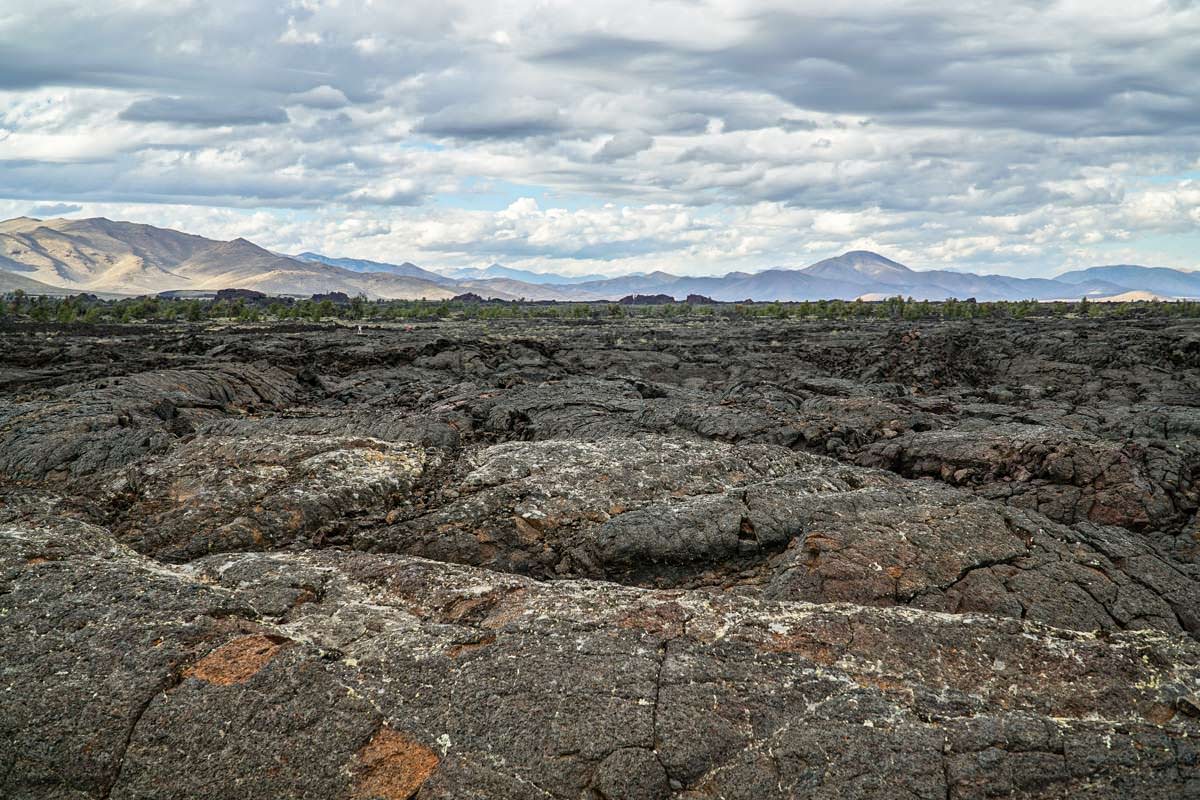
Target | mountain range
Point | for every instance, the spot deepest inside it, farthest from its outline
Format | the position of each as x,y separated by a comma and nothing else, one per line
508,273
100,256
363,265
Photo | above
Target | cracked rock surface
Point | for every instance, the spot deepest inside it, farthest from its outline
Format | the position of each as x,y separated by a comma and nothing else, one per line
632,559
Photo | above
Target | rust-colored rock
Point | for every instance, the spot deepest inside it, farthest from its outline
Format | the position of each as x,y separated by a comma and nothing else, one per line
392,766
236,661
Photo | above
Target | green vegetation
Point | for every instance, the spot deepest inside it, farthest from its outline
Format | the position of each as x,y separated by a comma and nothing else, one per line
91,310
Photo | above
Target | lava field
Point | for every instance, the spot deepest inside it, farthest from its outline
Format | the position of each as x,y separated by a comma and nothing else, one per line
623,559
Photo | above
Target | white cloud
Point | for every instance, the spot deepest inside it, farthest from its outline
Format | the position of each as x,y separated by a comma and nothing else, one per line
696,136
293,35
323,96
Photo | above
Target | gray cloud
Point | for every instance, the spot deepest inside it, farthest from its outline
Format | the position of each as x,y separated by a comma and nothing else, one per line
208,112
623,145
792,125
323,96
53,210
513,118
989,136
931,66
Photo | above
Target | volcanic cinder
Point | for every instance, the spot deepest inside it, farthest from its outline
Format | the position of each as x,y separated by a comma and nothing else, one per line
602,559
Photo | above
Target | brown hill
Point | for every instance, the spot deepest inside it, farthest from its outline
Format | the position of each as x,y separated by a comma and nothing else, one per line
100,255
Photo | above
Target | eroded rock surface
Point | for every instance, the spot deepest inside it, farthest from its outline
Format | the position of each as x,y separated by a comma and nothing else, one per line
599,561
392,676
220,493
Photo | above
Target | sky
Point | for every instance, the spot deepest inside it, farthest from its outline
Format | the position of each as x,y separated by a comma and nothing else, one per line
1021,138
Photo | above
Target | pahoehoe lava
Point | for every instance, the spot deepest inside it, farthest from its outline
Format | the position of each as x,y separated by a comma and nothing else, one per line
626,558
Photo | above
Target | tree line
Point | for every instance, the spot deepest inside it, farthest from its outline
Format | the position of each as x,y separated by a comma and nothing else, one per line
88,309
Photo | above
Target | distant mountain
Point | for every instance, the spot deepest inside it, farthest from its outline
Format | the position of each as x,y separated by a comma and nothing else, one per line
243,265
452,277
862,265
523,275
772,284
11,282
61,256
882,276
847,277
100,255
1159,280
363,265
508,288
96,254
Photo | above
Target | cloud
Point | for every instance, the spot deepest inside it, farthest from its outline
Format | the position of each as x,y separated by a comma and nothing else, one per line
391,192
623,145
323,96
792,125
494,119
964,136
207,112
293,35
44,210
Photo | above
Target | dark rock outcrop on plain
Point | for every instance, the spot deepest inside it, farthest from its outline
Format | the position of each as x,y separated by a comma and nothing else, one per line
245,295
630,559
646,300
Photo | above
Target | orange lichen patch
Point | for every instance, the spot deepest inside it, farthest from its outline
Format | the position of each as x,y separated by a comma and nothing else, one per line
180,493
506,611
1160,714
305,596
37,560
1108,515
884,684
663,618
895,572
467,647
236,661
393,766
528,531
464,608
746,529
821,542
801,644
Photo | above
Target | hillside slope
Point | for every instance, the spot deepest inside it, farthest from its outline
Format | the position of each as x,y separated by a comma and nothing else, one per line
100,255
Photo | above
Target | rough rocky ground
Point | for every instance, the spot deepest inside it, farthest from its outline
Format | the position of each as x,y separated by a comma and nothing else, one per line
628,559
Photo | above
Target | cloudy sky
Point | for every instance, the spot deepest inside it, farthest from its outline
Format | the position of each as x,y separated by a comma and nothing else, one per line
608,137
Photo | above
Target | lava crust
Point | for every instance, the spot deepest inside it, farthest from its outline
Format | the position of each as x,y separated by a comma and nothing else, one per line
634,559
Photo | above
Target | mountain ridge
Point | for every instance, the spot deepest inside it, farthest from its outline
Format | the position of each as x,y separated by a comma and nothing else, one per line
102,255
495,270
116,257
1160,280
407,269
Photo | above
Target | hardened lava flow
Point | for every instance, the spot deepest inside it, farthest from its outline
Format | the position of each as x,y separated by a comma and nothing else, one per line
622,559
